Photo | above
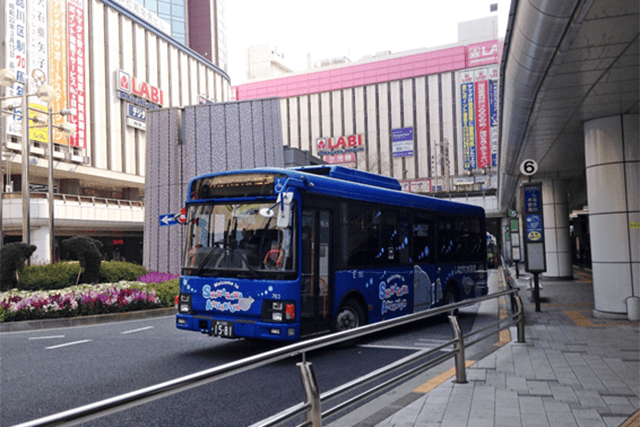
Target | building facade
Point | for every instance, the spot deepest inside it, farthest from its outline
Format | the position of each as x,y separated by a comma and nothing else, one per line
199,25
265,61
112,66
426,117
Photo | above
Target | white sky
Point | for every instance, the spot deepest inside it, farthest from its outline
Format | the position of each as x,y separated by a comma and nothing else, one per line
351,28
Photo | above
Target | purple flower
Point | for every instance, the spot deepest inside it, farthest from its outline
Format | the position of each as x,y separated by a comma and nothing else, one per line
157,277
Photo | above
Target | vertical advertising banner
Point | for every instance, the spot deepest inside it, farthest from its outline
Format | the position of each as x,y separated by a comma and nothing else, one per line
483,142
37,61
467,94
16,51
76,65
58,61
55,39
493,114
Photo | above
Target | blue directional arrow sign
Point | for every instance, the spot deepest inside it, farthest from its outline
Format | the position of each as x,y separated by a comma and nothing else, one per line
168,219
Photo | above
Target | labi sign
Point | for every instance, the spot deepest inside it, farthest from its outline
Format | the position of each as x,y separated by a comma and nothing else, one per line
340,145
138,91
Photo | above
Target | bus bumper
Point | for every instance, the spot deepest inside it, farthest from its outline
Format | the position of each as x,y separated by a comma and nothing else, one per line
238,328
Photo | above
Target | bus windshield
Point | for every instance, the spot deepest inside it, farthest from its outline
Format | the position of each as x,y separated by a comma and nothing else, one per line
239,240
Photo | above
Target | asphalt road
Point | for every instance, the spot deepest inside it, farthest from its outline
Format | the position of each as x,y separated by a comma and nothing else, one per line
49,371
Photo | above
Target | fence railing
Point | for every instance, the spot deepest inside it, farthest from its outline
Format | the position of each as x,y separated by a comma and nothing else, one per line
310,408
72,198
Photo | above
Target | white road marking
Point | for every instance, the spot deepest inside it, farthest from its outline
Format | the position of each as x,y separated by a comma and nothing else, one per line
46,338
390,347
137,330
67,344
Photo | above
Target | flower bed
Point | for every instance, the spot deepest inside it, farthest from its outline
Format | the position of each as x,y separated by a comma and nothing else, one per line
79,300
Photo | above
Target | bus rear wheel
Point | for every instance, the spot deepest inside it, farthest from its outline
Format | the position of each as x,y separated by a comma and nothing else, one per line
350,316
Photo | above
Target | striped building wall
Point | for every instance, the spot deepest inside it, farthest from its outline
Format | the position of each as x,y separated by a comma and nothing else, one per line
196,140
121,41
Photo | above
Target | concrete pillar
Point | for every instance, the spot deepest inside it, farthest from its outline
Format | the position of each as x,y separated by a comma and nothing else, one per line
612,159
557,243
40,239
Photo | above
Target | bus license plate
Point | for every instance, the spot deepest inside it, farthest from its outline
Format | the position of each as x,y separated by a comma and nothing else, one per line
223,329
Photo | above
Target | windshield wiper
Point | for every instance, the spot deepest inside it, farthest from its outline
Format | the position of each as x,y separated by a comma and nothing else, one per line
206,259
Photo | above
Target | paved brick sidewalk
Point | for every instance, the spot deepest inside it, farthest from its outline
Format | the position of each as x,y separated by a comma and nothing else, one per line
573,370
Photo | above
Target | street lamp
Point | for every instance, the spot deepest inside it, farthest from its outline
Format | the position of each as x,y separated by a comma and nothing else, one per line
41,119
67,129
45,93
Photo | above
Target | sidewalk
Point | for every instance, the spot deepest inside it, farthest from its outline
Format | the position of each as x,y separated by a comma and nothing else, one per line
573,370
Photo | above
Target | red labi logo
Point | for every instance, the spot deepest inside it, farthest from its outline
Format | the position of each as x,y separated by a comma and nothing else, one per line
124,82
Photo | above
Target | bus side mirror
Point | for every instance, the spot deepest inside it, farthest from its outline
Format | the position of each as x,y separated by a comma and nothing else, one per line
267,212
284,213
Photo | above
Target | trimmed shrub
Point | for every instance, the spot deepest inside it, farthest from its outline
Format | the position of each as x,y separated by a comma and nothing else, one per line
87,251
115,271
50,276
13,257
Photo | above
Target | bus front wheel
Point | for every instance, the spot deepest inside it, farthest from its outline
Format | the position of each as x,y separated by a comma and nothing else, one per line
350,315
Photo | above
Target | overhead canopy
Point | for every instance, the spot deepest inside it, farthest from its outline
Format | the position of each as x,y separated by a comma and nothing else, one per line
564,63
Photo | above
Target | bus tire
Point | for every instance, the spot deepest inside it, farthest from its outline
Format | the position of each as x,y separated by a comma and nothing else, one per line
350,315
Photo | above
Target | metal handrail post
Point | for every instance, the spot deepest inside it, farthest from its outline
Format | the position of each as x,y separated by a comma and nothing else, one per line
312,393
520,307
461,369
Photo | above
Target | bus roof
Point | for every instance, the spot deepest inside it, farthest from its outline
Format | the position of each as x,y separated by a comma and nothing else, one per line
352,184
353,175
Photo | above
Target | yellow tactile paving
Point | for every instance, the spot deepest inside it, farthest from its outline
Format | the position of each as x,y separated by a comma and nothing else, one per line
504,336
632,421
435,382
580,320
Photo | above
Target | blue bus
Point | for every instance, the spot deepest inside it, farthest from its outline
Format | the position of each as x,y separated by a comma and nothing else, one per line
284,254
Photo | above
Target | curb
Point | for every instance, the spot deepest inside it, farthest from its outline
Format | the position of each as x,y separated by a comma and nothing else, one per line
33,325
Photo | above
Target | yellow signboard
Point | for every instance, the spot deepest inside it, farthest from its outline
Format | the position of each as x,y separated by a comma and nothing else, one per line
37,131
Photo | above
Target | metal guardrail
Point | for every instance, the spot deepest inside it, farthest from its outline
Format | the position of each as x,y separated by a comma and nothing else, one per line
311,407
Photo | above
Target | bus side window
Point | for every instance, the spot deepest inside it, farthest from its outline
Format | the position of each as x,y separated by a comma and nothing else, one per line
476,242
403,253
360,235
422,243
446,243
376,235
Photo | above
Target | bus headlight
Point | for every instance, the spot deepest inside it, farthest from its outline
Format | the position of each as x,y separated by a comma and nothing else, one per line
184,306
278,311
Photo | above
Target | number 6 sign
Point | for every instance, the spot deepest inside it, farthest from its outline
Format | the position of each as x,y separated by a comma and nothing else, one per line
529,167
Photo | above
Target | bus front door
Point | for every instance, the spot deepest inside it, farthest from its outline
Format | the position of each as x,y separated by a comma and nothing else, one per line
315,311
